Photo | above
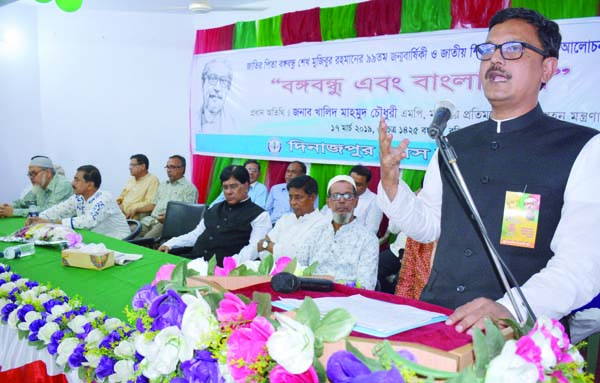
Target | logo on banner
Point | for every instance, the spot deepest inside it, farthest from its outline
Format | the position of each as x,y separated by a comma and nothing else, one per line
274,145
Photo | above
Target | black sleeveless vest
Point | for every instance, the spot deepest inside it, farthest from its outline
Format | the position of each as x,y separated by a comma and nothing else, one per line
534,153
228,229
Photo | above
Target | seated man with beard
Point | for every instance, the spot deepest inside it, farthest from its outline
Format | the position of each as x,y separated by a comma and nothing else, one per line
343,248
47,189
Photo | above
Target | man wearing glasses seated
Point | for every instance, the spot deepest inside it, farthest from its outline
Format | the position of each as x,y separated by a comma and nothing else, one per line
520,152
176,188
230,228
140,189
343,247
48,189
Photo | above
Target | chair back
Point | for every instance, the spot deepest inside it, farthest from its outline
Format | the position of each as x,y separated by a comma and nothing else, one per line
181,218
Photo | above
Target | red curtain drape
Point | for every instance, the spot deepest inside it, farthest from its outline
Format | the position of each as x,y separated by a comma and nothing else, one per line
474,13
301,26
208,40
276,173
378,17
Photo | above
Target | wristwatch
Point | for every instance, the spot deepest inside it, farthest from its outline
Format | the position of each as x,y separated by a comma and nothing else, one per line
265,244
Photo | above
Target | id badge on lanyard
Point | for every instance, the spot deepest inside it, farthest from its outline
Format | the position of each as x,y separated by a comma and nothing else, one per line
520,219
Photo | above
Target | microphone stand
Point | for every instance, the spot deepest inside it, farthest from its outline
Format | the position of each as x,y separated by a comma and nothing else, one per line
450,159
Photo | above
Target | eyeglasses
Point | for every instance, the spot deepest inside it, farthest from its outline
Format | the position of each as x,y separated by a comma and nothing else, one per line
510,50
224,82
172,167
252,170
344,196
231,187
133,165
33,174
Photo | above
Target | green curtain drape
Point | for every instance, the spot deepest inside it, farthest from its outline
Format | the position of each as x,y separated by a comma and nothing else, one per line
425,15
268,32
244,35
560,9
338,22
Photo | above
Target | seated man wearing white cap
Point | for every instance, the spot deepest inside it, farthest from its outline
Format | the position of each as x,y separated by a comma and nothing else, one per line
89,208
343,248
48,189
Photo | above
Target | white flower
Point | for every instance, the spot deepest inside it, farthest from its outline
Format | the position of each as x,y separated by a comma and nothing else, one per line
112,323
29,317
93,358
46,331
4,302
8,287
123,371
76,324
6,275
292,345
168,349
93,315
94,338
198,324
125,349
43,298
508,367
21,282
144,345
252,265
576,356
57,293
13,319
199,265
65,349
57,311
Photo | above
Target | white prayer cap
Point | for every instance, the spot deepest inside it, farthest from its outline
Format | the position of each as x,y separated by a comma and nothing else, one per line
343,178
42,162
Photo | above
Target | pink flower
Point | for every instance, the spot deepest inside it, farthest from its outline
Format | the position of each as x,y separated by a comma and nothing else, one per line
280,375
228,265
245,345
560,378
530,352
73,239
233,309
280,265
164,273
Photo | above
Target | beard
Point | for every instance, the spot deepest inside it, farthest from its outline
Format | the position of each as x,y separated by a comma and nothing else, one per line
342,218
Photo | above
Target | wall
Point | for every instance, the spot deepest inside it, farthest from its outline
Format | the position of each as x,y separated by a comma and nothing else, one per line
97,86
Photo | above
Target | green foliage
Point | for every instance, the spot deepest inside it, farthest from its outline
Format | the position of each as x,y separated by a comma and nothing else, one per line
266,265
264,308
310,270
308,314
373,364
291,267
336,325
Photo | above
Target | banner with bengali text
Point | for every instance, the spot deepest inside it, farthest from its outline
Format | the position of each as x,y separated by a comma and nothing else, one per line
321,102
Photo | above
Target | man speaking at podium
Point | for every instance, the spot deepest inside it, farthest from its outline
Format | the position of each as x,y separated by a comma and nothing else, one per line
518,155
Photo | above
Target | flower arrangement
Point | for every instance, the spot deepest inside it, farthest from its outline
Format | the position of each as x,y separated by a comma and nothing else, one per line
45,234
181,334
266,266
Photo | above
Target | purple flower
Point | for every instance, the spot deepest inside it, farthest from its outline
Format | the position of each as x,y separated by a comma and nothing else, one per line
31,284
111,338
144,297
202,369
15,277
167,310
51,303
2,281
7,309
106,367
139,325
3,270
77,358
24,310
343,366
33,337
54,341
142,379
36,325
386,376
407,355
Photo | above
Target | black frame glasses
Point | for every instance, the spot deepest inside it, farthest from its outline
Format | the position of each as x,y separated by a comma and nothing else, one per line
510,50
344,196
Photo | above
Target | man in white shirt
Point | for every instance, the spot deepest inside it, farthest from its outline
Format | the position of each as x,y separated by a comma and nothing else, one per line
342,247
292,229
89,208
556,163
367,212
230,228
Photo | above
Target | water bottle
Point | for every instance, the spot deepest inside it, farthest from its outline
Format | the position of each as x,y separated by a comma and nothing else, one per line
33,211
19,251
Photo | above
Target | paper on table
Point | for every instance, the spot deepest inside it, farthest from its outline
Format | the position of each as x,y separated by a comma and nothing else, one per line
125,258
391,319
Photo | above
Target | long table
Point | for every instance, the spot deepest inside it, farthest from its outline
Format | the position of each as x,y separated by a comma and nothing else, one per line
112,289
109,290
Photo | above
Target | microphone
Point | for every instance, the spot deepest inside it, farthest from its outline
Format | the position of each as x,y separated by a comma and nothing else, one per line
288,283
443,112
